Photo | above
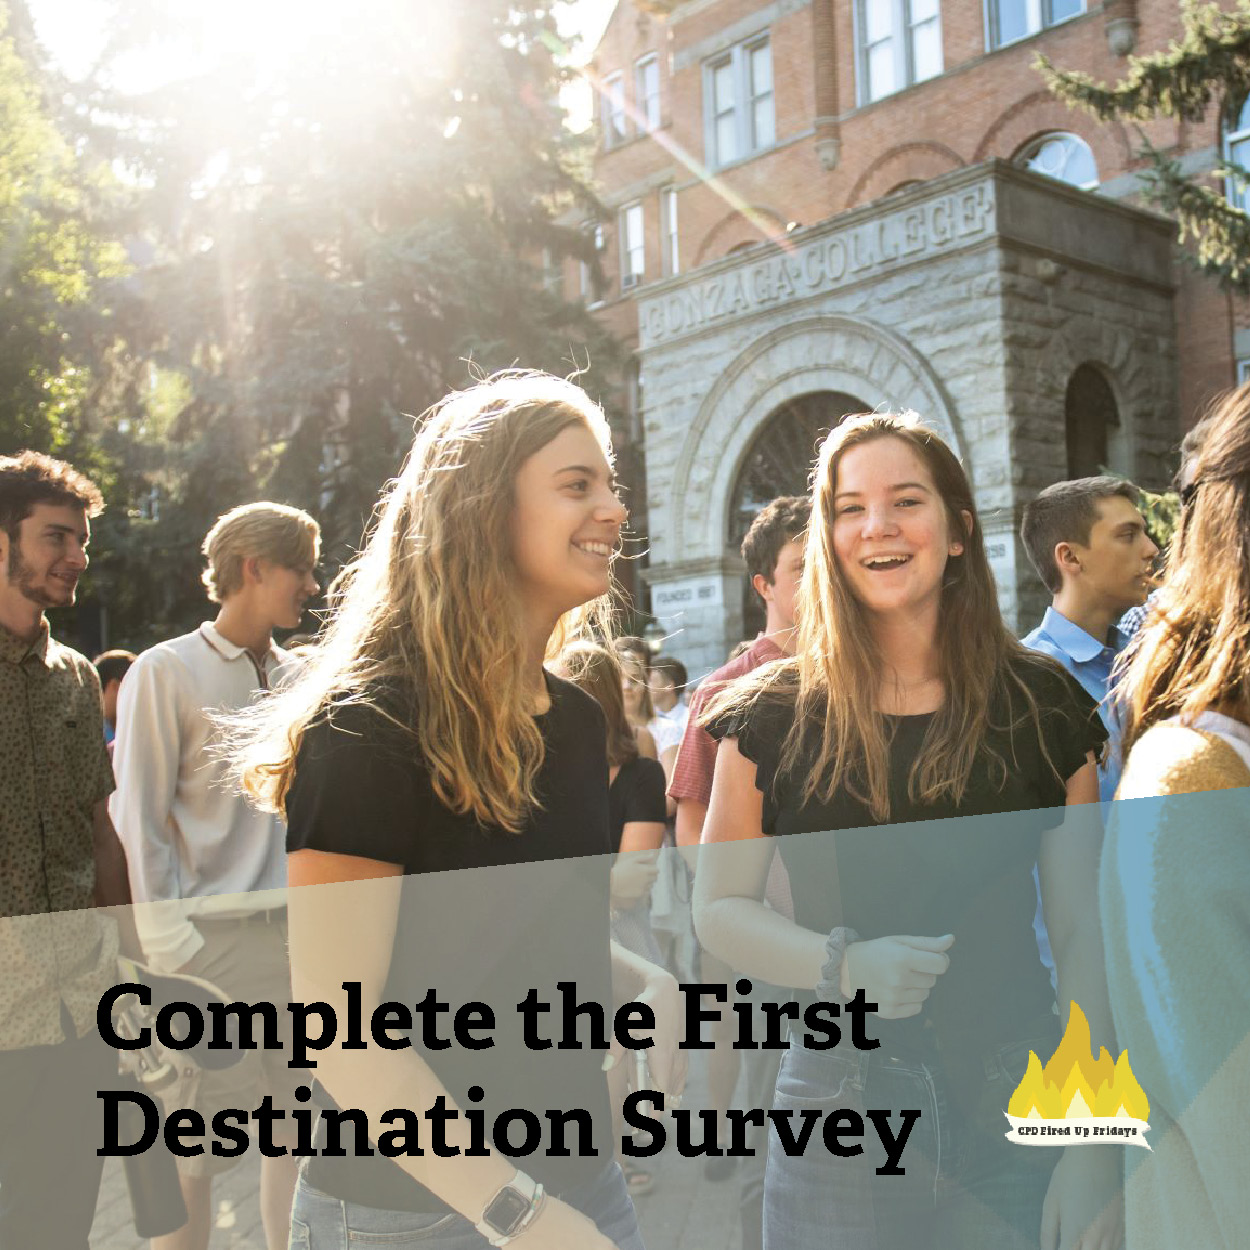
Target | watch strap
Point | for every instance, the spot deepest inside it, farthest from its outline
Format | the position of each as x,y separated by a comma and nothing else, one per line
525,1190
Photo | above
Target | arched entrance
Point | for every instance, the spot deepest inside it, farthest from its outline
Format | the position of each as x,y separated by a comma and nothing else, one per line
1092,422
779,461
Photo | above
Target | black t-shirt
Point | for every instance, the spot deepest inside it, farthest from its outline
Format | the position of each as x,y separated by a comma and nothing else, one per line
636,794
536,912
971,876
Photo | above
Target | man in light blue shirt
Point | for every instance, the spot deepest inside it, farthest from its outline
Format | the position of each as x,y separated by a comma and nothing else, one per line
1088,541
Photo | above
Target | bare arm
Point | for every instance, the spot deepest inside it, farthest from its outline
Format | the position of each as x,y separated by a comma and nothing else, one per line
343,912
729,914
635,869
112,886
668,761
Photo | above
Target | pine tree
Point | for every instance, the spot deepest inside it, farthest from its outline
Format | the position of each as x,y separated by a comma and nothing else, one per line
1209,64
335,233
55,337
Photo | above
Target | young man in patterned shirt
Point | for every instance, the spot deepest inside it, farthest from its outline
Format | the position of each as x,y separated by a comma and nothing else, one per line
60,859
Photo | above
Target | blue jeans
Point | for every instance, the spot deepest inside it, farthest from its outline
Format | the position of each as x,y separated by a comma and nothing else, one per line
319,1222
965,1186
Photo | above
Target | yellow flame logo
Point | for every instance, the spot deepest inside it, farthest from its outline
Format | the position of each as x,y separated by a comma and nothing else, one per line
1076,1086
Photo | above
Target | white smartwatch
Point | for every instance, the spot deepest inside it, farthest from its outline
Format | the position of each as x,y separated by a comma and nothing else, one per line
509,1213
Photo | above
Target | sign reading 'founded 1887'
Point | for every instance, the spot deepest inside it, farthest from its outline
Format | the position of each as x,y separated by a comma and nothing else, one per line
835,258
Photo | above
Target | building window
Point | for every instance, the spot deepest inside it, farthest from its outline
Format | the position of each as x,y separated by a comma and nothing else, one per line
1064,156
1243,371
553,272
1009,20
589,276
647,92
1237,152
900,43
633,246
738,90
613,110
668,219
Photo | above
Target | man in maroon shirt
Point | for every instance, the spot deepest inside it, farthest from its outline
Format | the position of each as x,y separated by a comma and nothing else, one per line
773,551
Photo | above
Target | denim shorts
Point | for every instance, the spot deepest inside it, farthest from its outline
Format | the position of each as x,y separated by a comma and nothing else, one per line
965,1187
320,1222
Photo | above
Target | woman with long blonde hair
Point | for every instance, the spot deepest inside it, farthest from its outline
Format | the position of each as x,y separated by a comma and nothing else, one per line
1175,880
424,736
907,701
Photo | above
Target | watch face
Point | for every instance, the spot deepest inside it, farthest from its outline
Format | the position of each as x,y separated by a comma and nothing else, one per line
506,1211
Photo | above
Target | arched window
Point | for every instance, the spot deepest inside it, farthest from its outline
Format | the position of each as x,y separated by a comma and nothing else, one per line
1064,156
1092,423
1237,151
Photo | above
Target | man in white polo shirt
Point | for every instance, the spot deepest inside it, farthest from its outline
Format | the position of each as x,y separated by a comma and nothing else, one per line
207,870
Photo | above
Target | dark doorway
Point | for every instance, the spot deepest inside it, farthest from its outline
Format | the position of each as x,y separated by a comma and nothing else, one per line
1090,416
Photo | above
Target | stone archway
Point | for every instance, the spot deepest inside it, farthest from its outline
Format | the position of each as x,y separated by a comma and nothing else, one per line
830,353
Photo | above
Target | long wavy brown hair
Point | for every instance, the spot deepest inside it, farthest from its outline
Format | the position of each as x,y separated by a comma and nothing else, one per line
1193,653
839,738
427,613
597,671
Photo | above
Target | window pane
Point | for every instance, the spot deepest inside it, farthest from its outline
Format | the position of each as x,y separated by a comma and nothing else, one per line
647,91
881,70
1063,156
614,109
878,20
1061,10
635,249
670,231
761,70
723,87
726,138
922,11
764,130
926,51
1239,154
633,226
1013,20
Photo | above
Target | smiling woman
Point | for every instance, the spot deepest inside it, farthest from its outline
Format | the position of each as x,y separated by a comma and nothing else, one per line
908,702
424,736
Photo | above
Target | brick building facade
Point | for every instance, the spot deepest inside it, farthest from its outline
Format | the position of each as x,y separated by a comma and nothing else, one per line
822,205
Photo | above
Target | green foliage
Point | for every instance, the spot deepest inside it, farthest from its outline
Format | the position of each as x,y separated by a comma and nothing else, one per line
1163,513
1209,63
53,261
330,229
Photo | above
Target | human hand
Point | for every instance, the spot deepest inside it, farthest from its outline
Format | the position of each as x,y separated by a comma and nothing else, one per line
1084,1206
667,1062
633,875
896,973
558,1226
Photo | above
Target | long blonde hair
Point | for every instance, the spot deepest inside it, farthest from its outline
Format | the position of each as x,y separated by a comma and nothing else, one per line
839,738
1193,653
428,610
